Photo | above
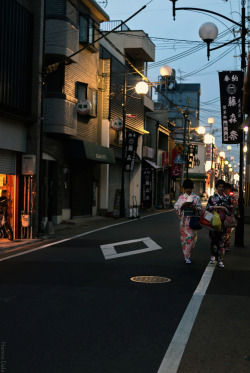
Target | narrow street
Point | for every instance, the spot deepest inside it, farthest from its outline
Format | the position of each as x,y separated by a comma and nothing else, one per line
72,308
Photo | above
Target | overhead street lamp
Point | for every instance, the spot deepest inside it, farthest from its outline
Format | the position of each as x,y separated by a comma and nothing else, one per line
208,32
201,130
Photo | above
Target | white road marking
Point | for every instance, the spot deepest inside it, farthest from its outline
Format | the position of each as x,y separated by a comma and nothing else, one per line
172,358
109,251
77,236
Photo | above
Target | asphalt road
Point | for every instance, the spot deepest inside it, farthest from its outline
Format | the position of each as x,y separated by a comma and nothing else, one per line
72,307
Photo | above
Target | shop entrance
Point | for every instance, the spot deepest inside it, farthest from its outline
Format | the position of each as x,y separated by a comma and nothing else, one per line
7,189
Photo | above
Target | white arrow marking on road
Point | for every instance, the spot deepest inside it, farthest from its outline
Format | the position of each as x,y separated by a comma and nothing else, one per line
109,251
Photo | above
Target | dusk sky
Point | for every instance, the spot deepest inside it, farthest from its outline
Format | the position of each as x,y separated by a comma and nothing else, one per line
181,36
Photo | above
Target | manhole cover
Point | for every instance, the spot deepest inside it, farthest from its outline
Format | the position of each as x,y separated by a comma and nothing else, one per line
150,279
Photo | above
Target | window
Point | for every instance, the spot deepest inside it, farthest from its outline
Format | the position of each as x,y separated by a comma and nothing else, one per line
86,30
81,91
84,92
92,97
55,80
179,122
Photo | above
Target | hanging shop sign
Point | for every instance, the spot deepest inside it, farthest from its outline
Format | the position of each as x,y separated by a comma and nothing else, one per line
231,92
84,107
147,187
208,152
130,150
116,124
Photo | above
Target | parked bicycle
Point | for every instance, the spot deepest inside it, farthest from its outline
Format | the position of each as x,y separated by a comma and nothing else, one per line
5,228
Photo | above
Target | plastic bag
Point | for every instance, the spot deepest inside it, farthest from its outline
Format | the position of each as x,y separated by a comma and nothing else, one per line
216,222
206,218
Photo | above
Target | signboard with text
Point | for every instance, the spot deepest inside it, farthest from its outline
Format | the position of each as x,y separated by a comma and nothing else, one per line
147,187
130,150
231,92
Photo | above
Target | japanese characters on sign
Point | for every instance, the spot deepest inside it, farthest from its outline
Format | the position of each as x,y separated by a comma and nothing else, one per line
116,123
130,150
231,92
147,188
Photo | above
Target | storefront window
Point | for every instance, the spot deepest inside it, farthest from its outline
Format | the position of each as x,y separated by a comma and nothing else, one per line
7,183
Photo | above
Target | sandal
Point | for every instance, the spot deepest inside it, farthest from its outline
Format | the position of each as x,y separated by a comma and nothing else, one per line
212,260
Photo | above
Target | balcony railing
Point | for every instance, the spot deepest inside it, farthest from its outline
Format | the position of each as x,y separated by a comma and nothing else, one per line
108,26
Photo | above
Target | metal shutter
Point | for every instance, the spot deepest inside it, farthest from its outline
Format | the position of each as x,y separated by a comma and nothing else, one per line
7,162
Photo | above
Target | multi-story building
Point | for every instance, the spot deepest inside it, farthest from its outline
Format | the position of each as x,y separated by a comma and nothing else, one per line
183,113
73,146
123,54
58,101
157,152
20,110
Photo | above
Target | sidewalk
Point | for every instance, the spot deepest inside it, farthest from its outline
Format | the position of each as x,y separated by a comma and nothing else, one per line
68,228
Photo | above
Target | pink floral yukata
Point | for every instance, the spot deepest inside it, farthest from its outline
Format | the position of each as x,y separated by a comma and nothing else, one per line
188,236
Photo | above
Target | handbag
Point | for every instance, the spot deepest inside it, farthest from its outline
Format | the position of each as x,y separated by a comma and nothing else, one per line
230,222
216,222
194,223
205,219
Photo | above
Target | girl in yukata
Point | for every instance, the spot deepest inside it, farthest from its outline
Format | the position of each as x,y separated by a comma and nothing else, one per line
229,192
221,203
187,205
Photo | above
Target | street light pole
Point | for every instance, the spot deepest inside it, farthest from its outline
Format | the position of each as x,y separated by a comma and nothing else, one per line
184,147
122,197
208,33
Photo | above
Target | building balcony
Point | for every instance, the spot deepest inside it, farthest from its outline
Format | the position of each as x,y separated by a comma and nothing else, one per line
60,115
62,38
139,46
135,43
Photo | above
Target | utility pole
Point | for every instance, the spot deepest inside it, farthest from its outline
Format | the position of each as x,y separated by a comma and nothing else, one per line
122,197
184,145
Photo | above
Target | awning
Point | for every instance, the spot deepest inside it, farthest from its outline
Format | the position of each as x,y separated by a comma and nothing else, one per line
196,176
90,151
152,164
